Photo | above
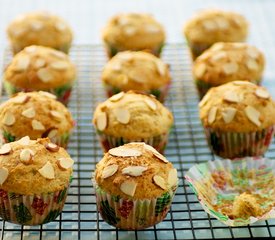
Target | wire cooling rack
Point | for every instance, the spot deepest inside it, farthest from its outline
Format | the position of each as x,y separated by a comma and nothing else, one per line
187,146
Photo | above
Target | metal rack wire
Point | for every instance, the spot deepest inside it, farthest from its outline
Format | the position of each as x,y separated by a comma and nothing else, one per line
187,146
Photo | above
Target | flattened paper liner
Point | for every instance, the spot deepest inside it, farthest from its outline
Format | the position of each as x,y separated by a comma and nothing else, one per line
255,175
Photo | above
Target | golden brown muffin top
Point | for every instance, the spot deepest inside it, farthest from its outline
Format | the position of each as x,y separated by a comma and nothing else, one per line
135,170
140,71
213,25
39,28
225,62
238,106
34,167
133,31
132,115
36,114
40,68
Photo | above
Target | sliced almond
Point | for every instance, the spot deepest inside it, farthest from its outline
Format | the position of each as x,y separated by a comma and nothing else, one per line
136,76
128,187
228,114
47,94
52,147
4,173
60,26
130,30
222,23
230,68
262,93
47,171
151,28
124,152
22,63
212,115
59,65
21,99
30,49
116,66
173,177
109,171
200,69
209,25
8,119
134,171
125,56
159,181
122,115
65,163
26,156
56,114
44,75
36,25
156,153
16,32
253,115
52,133
116,97
39,63
218,56
123,21
24,141
5,149
242,83
29,112
252,65
217,46
252,52
101,121
58,54
161,67
204,100
231,96
36,125
151,104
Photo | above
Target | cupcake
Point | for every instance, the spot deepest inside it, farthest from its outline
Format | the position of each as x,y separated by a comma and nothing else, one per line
39,28
132,117
211,26
34,180
238,119
226,62
134,186
133,31
237,193
35,114
139,71
40,68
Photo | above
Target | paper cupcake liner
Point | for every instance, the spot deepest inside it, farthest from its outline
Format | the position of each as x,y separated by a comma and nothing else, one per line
62,93
203,87
108,142
217,183
112,50
61,141
31,209
160,93
234,145
132,214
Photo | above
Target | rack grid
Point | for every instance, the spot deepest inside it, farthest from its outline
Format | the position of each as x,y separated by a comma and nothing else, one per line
187,146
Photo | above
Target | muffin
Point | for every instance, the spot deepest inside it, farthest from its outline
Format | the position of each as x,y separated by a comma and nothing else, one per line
134,186
40,68
36,114
211,26
139,71
34,177
133,31
226,62
238,118
132,117
39,28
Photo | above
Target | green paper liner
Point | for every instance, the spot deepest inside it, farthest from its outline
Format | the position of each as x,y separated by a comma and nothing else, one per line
108,142
31,209
61,140
219,182
234,145
132,214
160,93
62,93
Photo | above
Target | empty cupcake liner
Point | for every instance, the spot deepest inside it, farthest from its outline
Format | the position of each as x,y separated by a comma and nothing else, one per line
234,145
132,214
107,142
218,183
160,93
31,209
62,93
